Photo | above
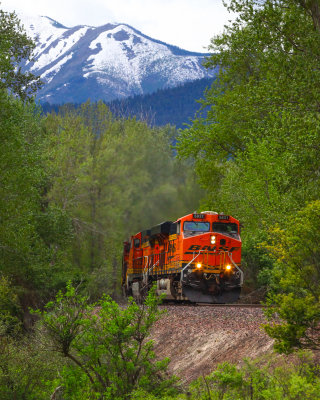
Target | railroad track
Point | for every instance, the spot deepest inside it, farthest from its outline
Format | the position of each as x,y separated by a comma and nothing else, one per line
230,305
189,304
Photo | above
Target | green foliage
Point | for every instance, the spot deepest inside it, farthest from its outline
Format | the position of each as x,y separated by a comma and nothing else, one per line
20,176
295,299
225,379
26,370
107,345
33,235
10,310
291,381
256,263
15,47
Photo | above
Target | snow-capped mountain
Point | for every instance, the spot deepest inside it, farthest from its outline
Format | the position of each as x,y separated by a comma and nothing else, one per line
106,62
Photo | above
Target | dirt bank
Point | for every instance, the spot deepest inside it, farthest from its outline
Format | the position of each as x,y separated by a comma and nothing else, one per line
198,338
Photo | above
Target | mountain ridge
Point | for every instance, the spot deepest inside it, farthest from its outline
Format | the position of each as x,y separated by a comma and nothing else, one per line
108,62
176,106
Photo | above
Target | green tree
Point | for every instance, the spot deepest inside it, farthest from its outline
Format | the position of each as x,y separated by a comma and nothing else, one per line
15,48
256,142
20,176
296,296
27,371
34,236
107,345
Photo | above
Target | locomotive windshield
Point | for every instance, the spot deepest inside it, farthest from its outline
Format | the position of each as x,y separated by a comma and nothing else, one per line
228,229
192,228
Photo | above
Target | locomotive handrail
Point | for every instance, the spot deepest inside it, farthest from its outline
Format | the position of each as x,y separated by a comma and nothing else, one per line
186,266
151,268
146,268
239,269
147,263
158,257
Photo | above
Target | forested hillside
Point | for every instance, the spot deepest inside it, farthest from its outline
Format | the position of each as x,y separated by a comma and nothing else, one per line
174,106
75,183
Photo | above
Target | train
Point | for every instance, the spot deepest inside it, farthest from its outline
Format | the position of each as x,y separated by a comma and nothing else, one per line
196,259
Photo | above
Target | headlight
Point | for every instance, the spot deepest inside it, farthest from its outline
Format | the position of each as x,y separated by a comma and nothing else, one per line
228,267
213,240
199,265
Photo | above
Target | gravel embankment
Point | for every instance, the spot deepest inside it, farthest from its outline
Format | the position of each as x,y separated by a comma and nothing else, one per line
198,338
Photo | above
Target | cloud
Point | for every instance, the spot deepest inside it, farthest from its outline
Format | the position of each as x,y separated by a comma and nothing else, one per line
189,24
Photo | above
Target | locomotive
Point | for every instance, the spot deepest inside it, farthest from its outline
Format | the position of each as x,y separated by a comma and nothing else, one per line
195,258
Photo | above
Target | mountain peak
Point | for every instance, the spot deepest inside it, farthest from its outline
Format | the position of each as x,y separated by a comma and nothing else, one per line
107,62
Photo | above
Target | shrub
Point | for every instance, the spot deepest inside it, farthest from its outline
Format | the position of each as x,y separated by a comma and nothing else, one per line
107,346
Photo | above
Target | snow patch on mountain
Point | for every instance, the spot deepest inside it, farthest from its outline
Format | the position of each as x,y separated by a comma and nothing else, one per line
42,30
52,53
50,73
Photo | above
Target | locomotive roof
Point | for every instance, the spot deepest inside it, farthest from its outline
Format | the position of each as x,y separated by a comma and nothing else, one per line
164,227
208,213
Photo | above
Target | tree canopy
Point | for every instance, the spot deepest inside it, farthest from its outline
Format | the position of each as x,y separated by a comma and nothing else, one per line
260,138
295,301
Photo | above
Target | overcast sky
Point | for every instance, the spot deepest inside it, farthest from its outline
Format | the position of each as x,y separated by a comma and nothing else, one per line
188,24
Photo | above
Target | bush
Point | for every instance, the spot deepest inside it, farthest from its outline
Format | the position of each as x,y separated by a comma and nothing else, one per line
27,371
295,297
291,381
107,346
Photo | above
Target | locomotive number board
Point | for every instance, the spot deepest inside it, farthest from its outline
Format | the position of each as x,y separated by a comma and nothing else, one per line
224,217
198,216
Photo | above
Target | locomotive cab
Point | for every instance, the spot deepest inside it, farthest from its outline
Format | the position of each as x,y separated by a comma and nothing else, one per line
213,274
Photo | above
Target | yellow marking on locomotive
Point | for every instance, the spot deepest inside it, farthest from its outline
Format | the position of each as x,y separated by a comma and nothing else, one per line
173,237
206,268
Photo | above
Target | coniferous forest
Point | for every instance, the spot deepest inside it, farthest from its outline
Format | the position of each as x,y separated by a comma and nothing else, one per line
174,106
76,182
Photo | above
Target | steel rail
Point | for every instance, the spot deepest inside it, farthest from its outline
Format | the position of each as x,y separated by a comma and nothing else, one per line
230,305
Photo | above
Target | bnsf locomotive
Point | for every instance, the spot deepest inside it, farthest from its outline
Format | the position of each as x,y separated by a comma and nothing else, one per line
195,258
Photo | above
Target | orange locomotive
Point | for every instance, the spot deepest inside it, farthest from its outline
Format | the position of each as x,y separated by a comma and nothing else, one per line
195,258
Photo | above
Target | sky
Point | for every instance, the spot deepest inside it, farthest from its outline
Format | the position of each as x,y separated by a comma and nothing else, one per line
189,24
